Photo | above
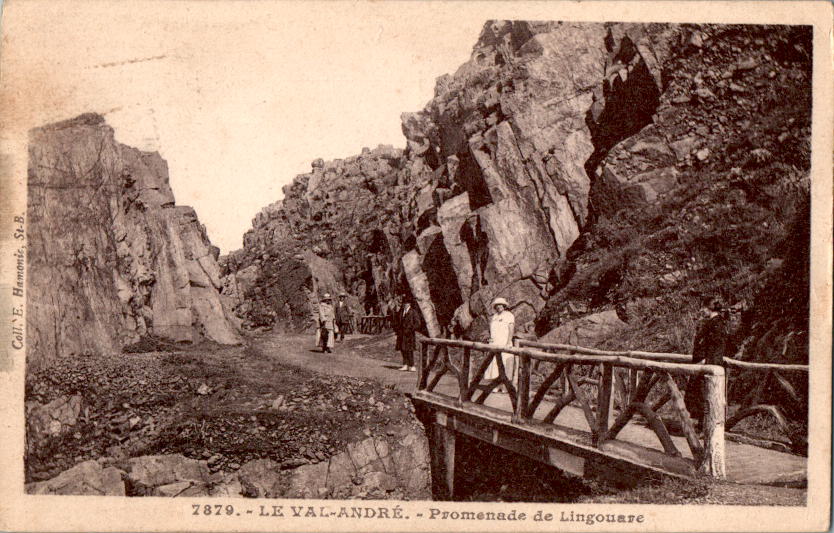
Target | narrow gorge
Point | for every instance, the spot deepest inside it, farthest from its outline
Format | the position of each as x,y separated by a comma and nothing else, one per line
603,174
609,180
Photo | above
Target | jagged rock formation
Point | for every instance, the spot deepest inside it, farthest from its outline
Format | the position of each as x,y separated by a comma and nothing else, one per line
112,259
491,189
571,168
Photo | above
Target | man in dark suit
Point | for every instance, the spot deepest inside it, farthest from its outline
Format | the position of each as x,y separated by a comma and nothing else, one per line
343,317
410,323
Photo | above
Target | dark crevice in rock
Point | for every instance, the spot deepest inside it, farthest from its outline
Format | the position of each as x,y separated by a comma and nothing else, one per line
443,285
630,97
472,181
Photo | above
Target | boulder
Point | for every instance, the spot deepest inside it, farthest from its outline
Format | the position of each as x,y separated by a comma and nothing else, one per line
148,472
228,486
54,418
585,331
84,479
260,478
182,489
412,264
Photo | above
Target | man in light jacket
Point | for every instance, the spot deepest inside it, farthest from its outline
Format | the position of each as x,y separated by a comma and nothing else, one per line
326,323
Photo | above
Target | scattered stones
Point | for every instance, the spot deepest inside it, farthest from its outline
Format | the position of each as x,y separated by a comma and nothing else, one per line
702,154
704,94
684,147
760,156
54,418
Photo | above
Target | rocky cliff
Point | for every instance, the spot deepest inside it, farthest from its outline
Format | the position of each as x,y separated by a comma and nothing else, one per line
112,259
571,168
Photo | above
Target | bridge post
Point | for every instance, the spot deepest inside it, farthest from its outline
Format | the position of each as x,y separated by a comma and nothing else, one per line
523,389
463,379
442,447
422,358
605,403
714,458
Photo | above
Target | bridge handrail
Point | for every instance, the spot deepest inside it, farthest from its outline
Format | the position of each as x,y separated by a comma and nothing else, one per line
707,450
752,365
654,356
616,360
659,356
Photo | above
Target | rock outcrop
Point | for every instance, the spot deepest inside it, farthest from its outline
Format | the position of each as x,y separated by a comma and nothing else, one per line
112,259
85,479
571,168
492,188
371,468
52,419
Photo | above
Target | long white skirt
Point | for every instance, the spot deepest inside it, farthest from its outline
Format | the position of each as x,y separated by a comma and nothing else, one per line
509,366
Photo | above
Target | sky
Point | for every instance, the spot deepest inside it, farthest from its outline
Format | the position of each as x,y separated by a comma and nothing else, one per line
238,97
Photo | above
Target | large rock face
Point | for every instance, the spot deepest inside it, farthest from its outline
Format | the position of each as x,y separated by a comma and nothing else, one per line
572,168
111,258
491,189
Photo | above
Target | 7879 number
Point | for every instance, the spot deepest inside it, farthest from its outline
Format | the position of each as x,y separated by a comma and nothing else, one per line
213,510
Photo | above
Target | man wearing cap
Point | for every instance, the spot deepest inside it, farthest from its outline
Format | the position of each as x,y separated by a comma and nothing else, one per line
327,323
501,331
342,316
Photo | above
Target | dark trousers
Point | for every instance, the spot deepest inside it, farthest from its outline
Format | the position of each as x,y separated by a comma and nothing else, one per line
408,357
343,328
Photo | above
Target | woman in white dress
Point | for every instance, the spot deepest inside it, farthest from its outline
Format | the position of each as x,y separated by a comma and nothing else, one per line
501,331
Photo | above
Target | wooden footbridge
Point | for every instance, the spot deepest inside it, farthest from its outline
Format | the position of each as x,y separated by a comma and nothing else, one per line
594,413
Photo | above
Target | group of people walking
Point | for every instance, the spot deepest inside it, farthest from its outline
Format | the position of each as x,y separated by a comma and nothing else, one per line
332,321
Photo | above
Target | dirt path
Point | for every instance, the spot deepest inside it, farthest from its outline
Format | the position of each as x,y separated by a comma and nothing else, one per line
346,359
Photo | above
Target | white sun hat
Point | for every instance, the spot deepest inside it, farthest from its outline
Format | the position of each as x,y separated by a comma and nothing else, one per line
500,301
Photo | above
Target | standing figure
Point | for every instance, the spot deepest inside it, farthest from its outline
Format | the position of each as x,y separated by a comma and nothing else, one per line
326,323
710,346
394,316
410,323
501,331
342,317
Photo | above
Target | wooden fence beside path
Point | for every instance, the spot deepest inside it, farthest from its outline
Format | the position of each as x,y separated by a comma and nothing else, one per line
374,324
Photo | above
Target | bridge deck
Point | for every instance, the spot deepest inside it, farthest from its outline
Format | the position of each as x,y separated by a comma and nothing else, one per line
746,463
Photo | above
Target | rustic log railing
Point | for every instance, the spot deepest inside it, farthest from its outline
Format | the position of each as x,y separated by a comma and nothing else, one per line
374,324
598,409
769,377
753,403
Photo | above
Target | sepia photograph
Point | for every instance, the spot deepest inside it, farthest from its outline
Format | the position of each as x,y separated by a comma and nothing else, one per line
354,266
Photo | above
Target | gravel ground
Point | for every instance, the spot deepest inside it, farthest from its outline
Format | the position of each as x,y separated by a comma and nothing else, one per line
229,404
